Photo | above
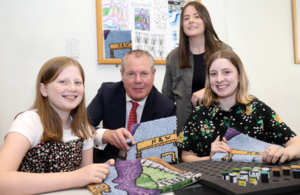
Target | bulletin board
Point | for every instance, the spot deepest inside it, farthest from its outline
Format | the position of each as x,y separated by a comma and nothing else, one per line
296,25
124,25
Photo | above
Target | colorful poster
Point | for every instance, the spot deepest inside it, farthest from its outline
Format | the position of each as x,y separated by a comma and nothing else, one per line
142,19
173,24
115,15
153,25
174,11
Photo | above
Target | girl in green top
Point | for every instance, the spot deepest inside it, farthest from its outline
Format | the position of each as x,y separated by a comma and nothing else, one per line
227,104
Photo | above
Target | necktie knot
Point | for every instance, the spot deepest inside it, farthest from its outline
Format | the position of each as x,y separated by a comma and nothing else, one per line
134,105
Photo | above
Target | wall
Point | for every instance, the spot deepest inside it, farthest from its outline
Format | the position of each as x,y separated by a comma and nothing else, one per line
34,31
261,32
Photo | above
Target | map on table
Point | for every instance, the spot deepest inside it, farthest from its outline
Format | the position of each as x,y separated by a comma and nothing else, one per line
143,176
244,148
155,138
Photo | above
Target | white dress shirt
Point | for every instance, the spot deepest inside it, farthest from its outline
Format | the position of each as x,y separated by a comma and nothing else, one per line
139,111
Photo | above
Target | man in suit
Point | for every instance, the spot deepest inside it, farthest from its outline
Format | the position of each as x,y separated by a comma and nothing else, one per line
112,105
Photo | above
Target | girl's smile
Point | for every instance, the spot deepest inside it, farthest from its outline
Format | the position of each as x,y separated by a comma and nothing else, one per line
66,92
193,25
224,79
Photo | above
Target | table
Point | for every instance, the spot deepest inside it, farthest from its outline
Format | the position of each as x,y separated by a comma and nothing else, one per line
213,184
211,177
85,191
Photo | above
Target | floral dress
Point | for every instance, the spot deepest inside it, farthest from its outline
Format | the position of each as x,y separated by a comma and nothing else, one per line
52,157
255,119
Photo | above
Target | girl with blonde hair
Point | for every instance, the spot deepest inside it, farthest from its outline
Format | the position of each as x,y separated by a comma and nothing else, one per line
53,137
227,104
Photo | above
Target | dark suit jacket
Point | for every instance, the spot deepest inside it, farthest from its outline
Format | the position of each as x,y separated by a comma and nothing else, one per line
109,105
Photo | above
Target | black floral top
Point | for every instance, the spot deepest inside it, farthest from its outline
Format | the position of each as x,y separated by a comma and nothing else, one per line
53,157
255,119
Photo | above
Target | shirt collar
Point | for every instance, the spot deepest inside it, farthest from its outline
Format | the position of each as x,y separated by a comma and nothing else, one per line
215,108
141,102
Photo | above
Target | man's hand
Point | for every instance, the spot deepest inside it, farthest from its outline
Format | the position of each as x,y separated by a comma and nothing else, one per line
118,138
111,162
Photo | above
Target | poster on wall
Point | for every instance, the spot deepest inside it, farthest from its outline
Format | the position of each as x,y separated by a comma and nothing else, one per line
124,25
115,15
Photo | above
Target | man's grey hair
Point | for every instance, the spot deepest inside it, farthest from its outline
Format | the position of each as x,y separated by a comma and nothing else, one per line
138,53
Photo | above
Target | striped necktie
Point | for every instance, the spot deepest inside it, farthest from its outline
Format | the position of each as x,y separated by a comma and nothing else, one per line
132,116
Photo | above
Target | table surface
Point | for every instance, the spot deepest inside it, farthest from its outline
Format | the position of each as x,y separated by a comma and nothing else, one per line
212,183
85,191
212,177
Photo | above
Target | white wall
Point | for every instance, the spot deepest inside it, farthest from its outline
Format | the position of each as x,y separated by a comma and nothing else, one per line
33,31
261,32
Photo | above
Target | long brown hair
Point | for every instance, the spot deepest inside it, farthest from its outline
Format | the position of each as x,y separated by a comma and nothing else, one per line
212,41
242,95
49,117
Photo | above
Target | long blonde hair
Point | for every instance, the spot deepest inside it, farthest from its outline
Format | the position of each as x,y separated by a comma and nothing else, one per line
49,117
242,95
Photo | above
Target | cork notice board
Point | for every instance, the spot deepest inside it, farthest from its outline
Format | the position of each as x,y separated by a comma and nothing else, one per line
123,25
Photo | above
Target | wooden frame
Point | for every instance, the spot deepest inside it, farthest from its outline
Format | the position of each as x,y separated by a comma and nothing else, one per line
296,19
101,57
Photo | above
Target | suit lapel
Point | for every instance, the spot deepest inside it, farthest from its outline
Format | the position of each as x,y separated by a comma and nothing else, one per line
147,112
118,107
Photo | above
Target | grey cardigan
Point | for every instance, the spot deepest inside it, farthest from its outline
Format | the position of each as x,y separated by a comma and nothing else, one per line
177,85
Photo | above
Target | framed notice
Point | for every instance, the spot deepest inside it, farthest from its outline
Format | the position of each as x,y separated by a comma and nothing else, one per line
124,25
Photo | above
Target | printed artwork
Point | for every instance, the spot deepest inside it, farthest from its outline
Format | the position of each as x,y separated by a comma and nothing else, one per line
115,14
139,3
155,138
160,16
173,22
142,19
174,12
154,43
143,176
150,20
117,43
176,5
244,148
154,26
